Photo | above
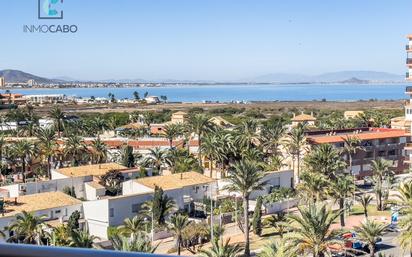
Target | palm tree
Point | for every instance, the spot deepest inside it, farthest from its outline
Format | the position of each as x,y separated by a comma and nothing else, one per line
277,221
381,172
156,158
247,135
27,228
210,150
131,227
295,144
74,147
313,186
370,232
245,177
220,249
405,201
341,188
99,150
98,125
312,231
58,117
325,159
365,200
272,135
24,150
139,243
278,248
171,131
351,147
81,238
178,223
199,124
47,146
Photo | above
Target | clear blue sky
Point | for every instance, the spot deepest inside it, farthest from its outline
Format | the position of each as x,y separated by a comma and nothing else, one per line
210,39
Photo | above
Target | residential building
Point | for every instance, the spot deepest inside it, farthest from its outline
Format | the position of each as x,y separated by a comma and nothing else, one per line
178,117
220,122
17,99
376,142
352,114
306,119
45,99
152,100
51,206
2,82
89,170
31,83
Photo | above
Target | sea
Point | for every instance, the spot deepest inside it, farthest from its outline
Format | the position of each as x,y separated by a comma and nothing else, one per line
241,92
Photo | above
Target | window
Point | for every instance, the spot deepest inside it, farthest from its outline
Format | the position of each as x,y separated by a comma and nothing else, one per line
369,155
392,152
111,212
135,208
381,153
57,211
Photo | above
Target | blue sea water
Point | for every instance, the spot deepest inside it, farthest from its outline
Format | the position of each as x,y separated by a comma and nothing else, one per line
250,92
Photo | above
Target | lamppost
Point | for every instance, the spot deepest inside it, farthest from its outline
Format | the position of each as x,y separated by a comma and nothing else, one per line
211,215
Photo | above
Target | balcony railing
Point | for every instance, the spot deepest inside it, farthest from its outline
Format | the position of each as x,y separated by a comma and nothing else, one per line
408,60
21,250
407,75
408,47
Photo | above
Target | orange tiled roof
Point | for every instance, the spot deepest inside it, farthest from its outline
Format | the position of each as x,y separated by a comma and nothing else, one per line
368,135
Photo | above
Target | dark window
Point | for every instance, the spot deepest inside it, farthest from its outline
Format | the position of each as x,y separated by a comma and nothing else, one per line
369,155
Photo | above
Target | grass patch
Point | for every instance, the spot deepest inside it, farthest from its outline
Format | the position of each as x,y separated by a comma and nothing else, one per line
358,210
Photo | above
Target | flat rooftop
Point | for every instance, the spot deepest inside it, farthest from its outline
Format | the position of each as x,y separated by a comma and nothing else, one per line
371,134
91,170
174,181
37,202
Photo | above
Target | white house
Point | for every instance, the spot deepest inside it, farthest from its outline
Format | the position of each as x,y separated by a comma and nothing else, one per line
52,206
152,100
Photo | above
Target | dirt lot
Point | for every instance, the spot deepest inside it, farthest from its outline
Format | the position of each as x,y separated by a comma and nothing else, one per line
269,106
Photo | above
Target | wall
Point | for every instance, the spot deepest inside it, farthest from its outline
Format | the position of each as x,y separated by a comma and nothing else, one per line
132,187
56,175
96,214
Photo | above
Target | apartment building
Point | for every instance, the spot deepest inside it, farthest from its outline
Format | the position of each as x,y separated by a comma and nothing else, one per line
376,142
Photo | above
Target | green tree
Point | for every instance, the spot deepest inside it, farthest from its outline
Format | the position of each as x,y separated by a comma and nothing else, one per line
351,147
257,217
136,96
171,131
58,117
112,181
342,188
81,238
99,151
222,249
74,148
24,150
381,177
277,221
47,146
370,232
139,243
312,233
132,227
365,200
178,223
159,207
277,248
199,124
156,159
27,228
128,158
245,177
295,144
73,222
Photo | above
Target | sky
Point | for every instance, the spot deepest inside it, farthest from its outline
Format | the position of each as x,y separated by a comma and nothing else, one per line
207,40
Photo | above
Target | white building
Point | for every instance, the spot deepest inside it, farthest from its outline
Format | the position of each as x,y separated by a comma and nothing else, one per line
152,100
45,99
52,206
2,82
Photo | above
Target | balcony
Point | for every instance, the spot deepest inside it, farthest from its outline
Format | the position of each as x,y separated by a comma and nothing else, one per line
409,90
21,250
408,146
409,61
408,47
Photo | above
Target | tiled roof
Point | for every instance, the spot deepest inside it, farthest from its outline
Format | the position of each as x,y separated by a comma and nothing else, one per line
368,135
303,117
91,170
37,202
174,181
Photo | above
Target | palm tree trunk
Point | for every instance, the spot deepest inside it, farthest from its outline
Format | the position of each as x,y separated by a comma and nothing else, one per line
171,143
350,165
298,168
211,167
372,250
48,167
246,217
342,215
23,164
178,245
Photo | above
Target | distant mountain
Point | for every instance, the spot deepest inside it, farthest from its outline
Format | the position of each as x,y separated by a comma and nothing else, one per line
368,76
16,76
355,81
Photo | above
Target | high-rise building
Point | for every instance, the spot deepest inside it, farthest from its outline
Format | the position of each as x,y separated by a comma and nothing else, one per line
30,82
408,106
2,82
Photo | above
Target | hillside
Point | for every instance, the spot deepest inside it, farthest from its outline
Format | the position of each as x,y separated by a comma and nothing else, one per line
16,76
